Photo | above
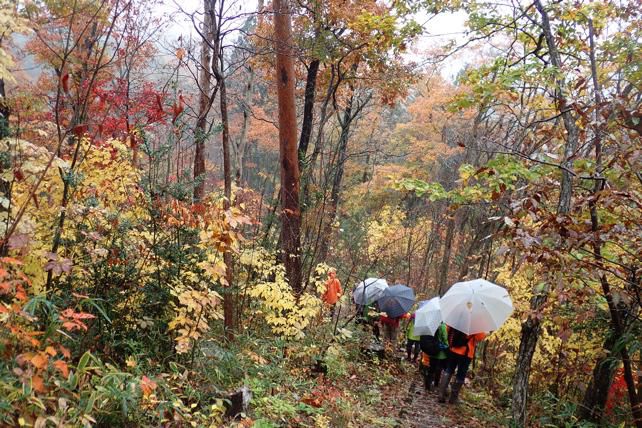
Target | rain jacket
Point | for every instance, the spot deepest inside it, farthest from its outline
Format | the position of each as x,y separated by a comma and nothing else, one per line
468,350
442,337
410,331
394,322
332,291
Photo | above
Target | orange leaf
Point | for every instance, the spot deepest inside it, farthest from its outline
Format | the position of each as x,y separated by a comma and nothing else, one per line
40,361
38,384
50,350
147,385
62,367
64,351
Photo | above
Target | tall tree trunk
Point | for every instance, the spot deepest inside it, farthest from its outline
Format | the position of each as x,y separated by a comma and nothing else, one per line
205,100
532,326
442,280
308,111
342,154
241,144
597,392
5,185
229,302
318,144
218,69
288,154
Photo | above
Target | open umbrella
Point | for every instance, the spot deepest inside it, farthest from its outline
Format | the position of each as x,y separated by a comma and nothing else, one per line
396,300
428,317
476,306
369,290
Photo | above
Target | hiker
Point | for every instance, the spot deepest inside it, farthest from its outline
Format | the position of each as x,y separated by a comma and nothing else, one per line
390,329
367,315
435,357
461,352
333,290
412,340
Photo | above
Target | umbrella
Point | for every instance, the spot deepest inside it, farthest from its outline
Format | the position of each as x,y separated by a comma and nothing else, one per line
476,306
396,300
369,290
428,317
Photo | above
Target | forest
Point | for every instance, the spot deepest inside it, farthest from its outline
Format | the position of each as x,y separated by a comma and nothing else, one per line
178,180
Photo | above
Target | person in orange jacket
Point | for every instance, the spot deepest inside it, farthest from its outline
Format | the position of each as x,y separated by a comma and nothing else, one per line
460,354
333,290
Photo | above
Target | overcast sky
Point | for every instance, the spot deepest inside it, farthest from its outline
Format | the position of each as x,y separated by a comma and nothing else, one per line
437,31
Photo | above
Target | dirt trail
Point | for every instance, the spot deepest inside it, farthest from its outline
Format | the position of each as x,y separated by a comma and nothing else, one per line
421,408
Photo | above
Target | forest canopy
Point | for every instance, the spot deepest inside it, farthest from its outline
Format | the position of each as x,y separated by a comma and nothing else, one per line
178,181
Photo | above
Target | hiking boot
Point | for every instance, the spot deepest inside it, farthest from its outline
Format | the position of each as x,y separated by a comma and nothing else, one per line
454,392
427,382
443,386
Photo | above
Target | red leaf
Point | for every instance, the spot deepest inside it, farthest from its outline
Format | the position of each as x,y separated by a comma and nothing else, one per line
18,174
80,130
65,82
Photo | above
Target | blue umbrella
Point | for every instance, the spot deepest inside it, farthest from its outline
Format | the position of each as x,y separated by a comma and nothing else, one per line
396,300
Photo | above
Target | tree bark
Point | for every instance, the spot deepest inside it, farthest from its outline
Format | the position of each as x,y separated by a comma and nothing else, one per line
442,280
229,302
532,326
5,185
594,401
241,144
288,154
204,100
318,145
603,373
338,178
308,111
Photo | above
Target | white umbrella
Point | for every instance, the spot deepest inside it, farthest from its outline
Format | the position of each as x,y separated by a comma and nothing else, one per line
476,306
369,290
428,318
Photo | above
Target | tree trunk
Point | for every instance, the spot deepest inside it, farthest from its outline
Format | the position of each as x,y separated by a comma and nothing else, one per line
338,178
288,154
531,327
241,144
229,302
204,100
596,396
442,280
318,145
308,111
592,407
5,185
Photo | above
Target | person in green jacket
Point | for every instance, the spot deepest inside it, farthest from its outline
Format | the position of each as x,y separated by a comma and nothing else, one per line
437,361
412,340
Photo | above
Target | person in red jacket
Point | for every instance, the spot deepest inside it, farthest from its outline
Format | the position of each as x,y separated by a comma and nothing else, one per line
461,352
333,290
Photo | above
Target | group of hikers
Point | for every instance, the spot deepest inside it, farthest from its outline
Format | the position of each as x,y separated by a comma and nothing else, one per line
447,353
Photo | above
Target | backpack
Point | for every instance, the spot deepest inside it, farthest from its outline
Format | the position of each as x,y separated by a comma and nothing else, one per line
458,339
429,344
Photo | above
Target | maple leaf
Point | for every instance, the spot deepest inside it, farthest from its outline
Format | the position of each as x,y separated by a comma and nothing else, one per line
147,386
40,361
38,384
57,265
18,241
62,367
